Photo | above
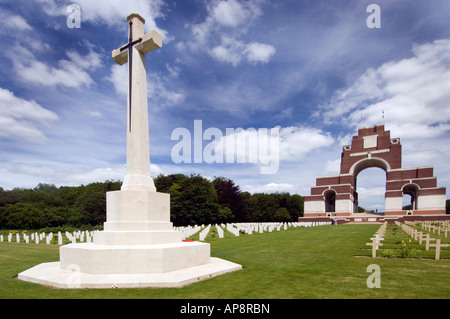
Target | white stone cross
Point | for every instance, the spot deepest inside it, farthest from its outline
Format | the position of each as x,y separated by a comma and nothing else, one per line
377,239
375,243
421,237
138,153
427,241
438,246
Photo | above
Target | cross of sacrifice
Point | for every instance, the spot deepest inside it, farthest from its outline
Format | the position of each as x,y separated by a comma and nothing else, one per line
438,246
138,153
375,243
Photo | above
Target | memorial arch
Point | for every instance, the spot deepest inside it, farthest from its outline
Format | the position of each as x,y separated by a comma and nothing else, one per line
373,147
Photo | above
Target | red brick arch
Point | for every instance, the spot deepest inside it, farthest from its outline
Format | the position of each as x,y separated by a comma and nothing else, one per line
374,147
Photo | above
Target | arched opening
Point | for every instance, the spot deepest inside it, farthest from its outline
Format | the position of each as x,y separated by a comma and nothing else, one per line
410,196
330,200
367,163
370,190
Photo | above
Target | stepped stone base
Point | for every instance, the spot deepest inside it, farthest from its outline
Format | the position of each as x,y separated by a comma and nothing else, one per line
138,248
51,274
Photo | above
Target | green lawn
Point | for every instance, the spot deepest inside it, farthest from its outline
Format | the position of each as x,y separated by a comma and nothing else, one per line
315,262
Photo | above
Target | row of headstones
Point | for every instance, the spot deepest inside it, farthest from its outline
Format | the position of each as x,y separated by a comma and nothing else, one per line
420,236
188,231
443,226
247,228
81,236
204,233
377,238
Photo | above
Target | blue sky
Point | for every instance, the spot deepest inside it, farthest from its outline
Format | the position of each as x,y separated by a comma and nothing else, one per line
309,68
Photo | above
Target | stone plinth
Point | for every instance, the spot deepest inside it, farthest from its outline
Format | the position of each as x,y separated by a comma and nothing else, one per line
135,259
50,274
137,218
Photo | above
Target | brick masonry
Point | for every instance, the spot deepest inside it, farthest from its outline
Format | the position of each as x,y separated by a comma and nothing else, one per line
374,147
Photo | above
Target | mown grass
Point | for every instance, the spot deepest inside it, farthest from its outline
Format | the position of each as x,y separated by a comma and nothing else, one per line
299,263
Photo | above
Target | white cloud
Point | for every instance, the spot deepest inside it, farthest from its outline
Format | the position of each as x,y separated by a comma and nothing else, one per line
233,51
293,143
91,60
230,20
259,52
12,23
231,13
78,176
71,72
161,95
119,79
112,12
296,142
333,166
86,175
22,119
228,15
230,50
17,22
270,188
414,94
174,71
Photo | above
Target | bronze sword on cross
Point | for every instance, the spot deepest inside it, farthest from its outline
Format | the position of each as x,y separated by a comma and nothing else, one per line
129,47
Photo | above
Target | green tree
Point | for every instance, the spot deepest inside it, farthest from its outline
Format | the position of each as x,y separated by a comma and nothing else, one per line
295,206
22,216
229,195
11,197
282,215
224,215
164,182
193,200
45,188
261,207
55,216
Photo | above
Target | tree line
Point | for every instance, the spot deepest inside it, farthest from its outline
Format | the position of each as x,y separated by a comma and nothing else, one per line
194,200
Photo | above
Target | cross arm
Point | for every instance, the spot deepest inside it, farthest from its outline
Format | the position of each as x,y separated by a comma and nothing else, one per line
439,244
120,57
150,42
